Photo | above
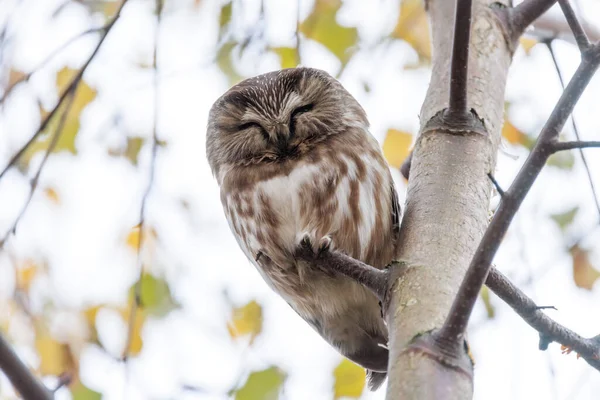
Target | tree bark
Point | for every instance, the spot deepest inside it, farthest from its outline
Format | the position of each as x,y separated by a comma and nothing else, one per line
447,202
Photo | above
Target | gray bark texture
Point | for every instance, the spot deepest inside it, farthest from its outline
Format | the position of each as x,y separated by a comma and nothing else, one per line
447,204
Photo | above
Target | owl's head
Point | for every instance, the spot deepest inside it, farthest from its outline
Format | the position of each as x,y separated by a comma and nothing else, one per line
278,116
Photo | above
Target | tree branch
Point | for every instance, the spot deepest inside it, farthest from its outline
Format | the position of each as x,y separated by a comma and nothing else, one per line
137,300
20,376
523,15
36,178
575,130
71,87
549,329
457,105
456,322
28,75
580,37
575,144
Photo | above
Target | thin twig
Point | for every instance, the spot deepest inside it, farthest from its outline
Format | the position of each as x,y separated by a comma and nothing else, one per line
496,184
575,130
580,37
298,57
72,86
460,58
576,144
19,374
36,177
455,325
549,329
137,301
29,74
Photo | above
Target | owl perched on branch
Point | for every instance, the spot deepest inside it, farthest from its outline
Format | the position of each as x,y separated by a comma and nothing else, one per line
295,162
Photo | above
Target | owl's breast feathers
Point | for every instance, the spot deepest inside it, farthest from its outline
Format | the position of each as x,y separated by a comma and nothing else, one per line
342,188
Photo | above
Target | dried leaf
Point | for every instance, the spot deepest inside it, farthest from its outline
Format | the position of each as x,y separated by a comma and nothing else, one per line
349,380
584,273
52,195
321,26
396,147
563,220
413,28
513,135
262,385
55,357
246,320
527,44
135,347
84,95
26,272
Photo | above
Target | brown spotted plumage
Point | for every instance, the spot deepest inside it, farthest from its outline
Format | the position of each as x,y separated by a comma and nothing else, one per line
293,157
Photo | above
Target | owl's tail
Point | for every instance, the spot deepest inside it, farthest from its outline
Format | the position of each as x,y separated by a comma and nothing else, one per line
375,379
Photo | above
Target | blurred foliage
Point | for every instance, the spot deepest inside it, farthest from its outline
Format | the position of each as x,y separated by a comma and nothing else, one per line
349,380
59,353
584,273
246,320
322,26
262,385
396,147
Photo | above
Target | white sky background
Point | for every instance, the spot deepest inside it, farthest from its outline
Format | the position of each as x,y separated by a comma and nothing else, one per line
83,238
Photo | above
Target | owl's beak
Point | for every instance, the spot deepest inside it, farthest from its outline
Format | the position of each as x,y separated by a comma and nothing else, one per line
283,137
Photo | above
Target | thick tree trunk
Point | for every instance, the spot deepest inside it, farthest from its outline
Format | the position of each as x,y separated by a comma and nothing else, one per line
447,202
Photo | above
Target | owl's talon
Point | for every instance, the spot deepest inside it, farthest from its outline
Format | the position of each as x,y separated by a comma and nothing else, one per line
324,244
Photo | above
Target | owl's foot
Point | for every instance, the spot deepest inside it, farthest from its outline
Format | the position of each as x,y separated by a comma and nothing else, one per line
318,247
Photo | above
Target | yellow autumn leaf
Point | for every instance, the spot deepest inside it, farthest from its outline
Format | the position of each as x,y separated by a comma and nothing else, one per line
84,95
413,27
55,357
584,273
349,380
52,195
135,330
527,44
512,134
246,320
396,147
133,238
26,272
149,238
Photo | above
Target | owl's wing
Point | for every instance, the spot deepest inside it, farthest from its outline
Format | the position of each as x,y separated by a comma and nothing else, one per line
396,211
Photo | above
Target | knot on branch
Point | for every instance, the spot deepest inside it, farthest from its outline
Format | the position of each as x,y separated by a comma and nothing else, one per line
456,123
449,354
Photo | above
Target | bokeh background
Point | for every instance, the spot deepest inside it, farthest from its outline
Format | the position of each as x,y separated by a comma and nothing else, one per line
207,326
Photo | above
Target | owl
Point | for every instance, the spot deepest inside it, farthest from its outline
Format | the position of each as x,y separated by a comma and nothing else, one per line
294,160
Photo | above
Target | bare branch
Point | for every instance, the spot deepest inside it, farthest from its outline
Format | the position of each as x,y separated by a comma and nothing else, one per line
523,15
549,329
576,144
460,58
496,184
580,37
370,277
458,317
36,178
549,26
20,376
575,130
137,302
72,86
28,75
